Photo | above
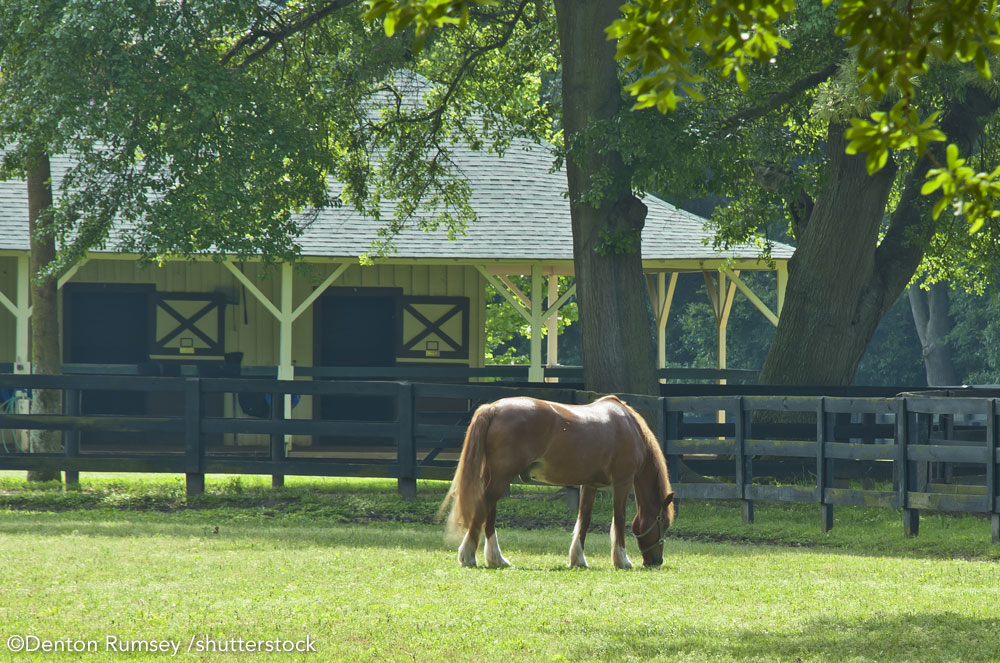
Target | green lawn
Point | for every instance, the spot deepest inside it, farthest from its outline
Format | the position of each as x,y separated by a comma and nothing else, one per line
368,578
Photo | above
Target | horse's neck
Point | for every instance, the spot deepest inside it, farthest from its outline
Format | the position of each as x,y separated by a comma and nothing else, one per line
647,484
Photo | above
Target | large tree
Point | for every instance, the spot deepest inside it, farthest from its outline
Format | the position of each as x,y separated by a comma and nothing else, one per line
202,128
867,162
781,155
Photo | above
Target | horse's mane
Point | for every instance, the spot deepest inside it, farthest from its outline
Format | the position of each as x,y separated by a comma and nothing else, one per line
654,454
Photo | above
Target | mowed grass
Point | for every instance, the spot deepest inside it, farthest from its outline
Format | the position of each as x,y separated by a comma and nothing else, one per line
369,578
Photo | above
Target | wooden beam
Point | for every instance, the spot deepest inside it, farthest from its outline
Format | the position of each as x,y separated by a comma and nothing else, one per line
505,293
552,321
71,272
713,295
320,289
254,290
22,334
752,296
665,299
554,308
9,305
517,291
782,273
286,371
535,372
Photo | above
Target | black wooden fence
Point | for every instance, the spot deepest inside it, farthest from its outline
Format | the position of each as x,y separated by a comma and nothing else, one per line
910,452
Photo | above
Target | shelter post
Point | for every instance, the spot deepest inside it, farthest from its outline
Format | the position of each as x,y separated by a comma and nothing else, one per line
535,371
552,326
22,313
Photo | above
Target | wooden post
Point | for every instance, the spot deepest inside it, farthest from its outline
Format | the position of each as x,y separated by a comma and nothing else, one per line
277,439
406,444
868,422
671,431
535,371
71,438
744,469
552,327
193,451
824,467
911,517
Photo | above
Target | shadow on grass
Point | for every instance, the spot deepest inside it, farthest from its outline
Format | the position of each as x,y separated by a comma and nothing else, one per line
924,637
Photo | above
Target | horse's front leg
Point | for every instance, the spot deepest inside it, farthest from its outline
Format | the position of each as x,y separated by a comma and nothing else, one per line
576,557
467,549
618,555
492,547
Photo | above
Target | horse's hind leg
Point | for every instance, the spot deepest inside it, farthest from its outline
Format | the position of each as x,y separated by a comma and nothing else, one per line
576,557
618,556
492,547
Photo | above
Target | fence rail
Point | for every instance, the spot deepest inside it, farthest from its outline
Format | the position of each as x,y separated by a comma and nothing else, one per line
911,452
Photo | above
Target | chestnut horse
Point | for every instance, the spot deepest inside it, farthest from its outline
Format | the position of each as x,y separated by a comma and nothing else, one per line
605,443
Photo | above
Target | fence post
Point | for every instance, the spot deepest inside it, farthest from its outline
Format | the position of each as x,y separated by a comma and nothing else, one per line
193,451
406,444
744,469
992,492
911,517
824,467
673,427
277,439
71,438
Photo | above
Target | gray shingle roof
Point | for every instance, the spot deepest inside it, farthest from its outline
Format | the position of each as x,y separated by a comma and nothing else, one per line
521,207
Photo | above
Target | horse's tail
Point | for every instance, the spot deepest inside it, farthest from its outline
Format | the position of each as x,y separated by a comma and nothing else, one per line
468,487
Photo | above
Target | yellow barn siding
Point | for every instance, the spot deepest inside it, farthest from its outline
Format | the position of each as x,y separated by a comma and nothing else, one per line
8,326
250,328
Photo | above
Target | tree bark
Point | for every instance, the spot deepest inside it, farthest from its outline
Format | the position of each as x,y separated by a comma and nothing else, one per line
841,279
930,316
616,338
44,309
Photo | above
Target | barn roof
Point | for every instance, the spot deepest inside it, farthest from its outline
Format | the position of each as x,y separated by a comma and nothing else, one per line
521,208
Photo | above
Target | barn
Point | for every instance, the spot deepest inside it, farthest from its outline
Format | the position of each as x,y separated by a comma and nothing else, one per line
424,305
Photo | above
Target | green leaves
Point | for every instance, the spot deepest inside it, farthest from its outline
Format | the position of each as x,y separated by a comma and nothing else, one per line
894,40
894,45
898,129
424,15
969,193
657,37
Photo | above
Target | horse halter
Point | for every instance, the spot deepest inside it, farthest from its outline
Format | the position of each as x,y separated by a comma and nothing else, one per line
661,534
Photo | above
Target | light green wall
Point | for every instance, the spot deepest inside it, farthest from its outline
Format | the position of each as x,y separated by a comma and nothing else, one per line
256,333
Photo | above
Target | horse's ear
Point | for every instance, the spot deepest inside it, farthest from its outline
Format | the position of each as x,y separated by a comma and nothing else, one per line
668,499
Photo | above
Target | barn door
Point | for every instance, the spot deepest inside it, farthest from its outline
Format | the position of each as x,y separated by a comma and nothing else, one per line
357,327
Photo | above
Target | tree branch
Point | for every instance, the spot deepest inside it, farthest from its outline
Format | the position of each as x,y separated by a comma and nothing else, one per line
435,114
910,228
274,37
779,99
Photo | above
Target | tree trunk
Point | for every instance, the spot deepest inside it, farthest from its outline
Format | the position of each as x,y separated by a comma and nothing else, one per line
930,316
822,333
616,338
44,310
841,279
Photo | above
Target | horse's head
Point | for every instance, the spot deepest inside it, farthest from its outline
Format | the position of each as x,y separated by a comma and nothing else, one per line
650,530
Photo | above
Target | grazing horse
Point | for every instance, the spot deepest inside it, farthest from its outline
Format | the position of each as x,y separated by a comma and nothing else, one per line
605,443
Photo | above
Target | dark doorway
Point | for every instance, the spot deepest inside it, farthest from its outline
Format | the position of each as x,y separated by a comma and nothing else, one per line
107,324
357,327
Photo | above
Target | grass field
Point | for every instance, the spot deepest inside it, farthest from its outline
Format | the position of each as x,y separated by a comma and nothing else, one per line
367,577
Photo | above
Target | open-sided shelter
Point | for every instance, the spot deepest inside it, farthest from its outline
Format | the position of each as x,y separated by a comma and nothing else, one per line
424,304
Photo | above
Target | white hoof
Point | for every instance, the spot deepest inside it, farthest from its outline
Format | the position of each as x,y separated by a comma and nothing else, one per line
492,553
467,551
576,557
620,558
